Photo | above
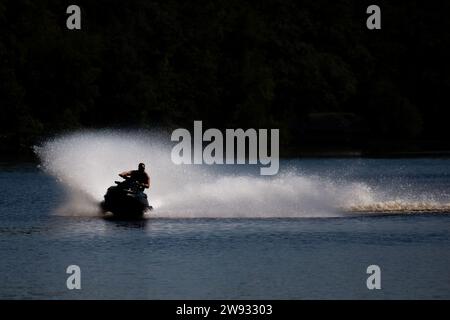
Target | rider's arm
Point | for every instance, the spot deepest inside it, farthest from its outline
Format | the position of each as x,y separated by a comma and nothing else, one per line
125,174
146,184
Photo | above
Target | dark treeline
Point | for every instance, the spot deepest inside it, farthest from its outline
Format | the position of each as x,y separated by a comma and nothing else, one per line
310,68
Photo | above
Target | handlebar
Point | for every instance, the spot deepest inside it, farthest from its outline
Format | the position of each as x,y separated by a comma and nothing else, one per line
131,182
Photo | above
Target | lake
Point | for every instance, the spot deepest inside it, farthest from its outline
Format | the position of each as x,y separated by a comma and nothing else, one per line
399,220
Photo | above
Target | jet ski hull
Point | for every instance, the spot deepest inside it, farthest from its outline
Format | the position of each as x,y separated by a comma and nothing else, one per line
125,204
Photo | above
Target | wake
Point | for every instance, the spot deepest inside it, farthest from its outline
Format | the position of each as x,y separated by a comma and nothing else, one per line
87,163
400,207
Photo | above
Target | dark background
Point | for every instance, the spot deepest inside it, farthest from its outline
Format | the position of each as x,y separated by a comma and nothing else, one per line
310,68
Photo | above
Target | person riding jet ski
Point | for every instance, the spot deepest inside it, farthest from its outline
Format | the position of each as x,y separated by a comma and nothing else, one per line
127,198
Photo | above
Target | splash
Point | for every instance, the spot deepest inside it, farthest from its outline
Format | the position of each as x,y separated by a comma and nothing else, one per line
401,207
87,163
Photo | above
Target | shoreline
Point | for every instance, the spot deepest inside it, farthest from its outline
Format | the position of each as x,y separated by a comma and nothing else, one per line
24,158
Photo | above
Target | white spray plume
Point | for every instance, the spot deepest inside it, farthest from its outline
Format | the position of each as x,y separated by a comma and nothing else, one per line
87,163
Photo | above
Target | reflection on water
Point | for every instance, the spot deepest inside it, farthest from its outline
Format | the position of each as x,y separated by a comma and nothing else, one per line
129,224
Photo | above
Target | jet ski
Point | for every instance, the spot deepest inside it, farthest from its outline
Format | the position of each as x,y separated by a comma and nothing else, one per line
126,200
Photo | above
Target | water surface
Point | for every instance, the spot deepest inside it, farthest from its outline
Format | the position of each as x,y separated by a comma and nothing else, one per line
168,257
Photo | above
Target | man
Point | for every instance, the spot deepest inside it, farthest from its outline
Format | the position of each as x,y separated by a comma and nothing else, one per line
139,176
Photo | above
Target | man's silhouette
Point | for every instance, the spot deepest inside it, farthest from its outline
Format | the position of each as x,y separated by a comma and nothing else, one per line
139,176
